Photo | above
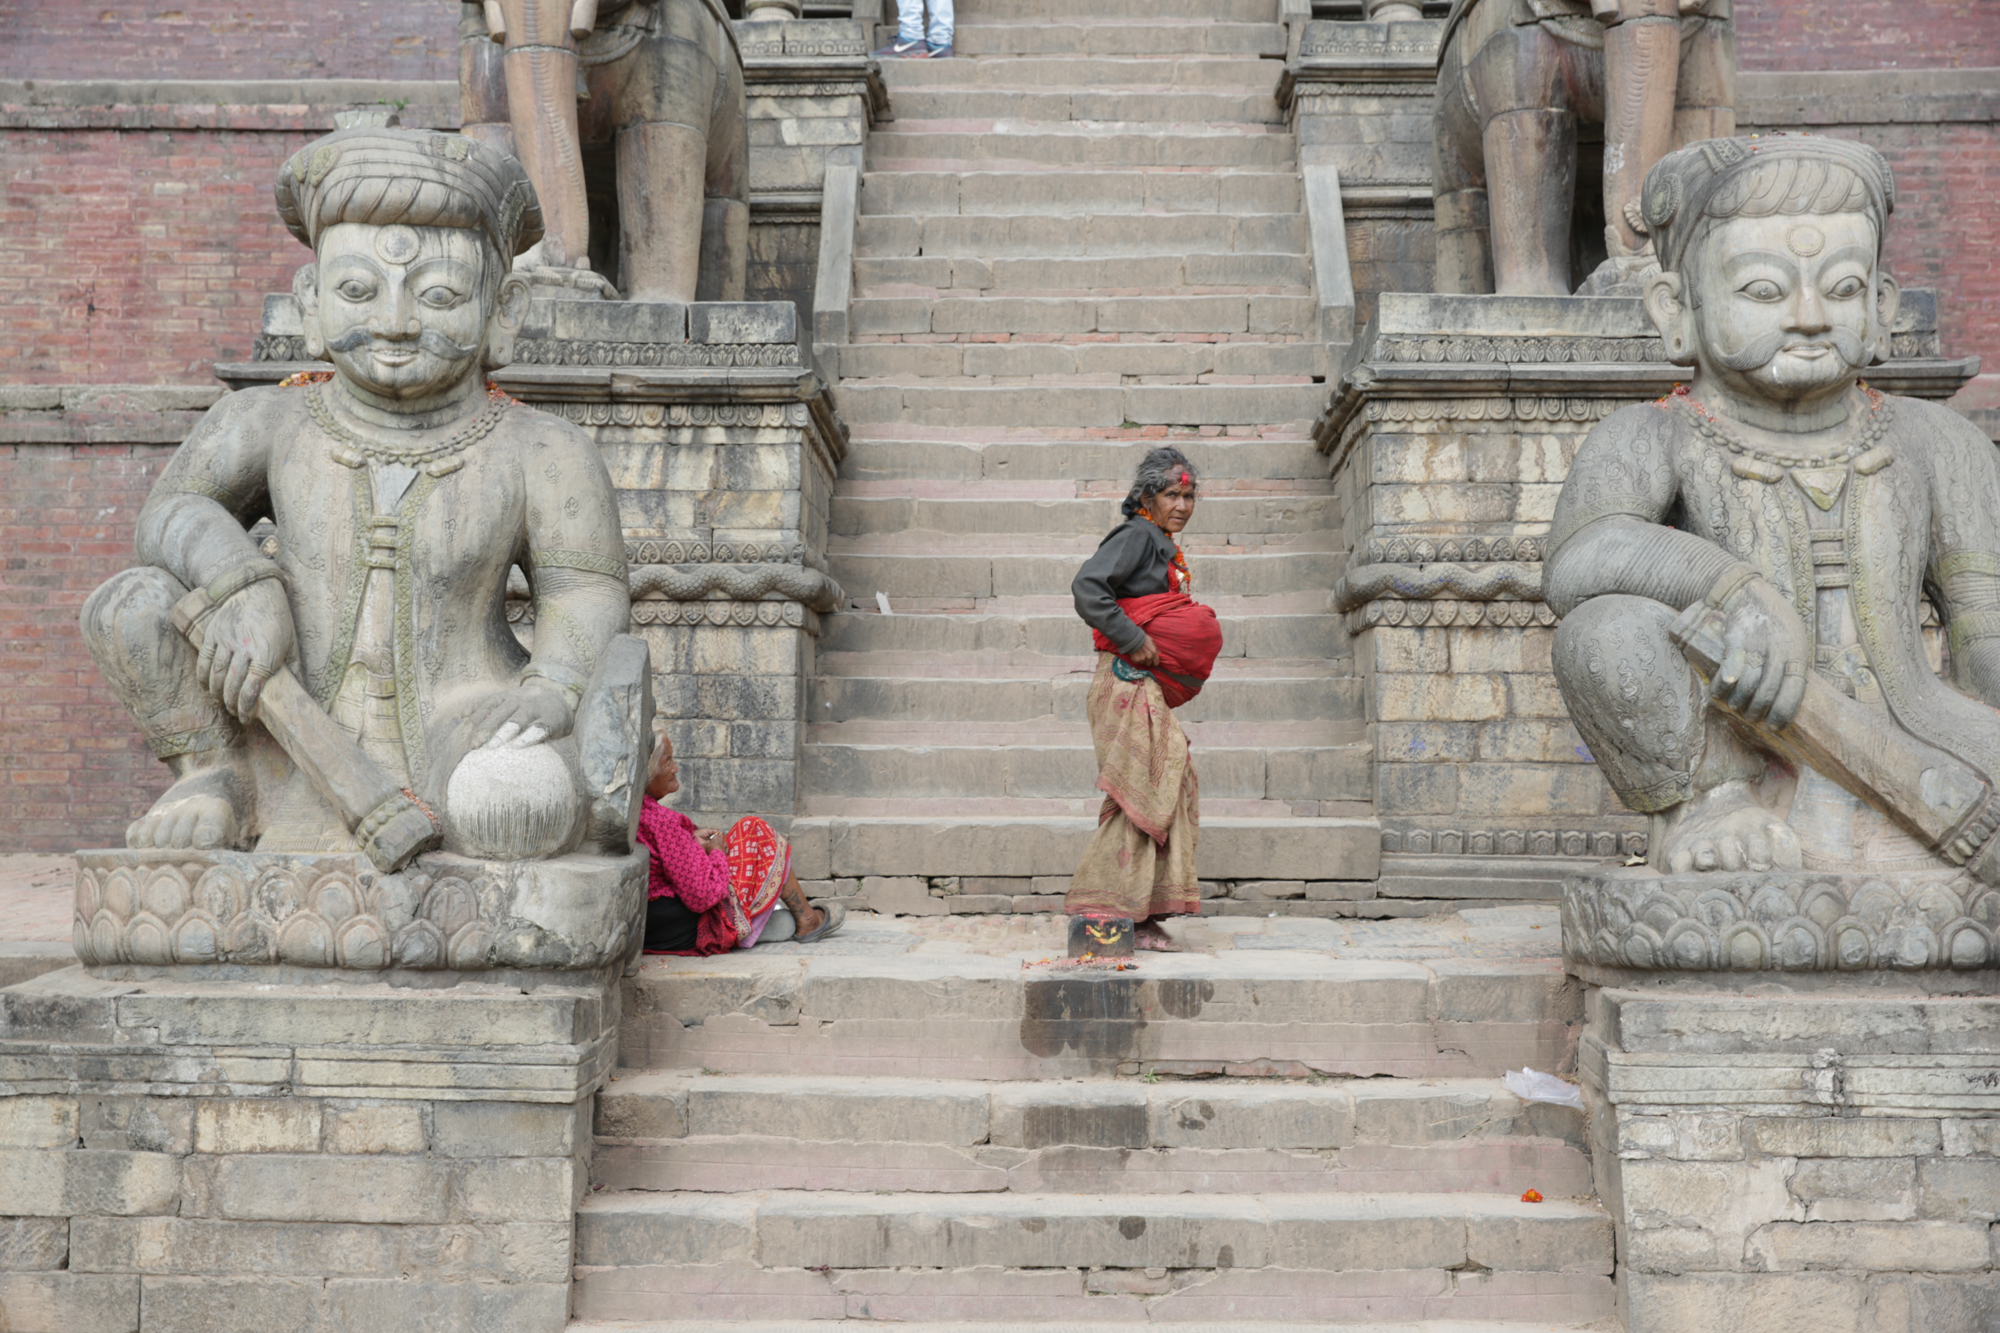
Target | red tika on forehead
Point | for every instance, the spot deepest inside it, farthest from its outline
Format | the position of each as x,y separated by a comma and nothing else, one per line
1184,479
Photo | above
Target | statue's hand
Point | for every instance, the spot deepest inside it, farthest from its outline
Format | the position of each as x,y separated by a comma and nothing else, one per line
247,639
525,715
1766,654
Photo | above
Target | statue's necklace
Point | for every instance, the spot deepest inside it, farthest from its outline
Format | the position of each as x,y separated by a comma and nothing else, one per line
1865,451
433,457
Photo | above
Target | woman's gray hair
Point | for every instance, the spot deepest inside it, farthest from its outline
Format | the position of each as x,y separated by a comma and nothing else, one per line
1161,468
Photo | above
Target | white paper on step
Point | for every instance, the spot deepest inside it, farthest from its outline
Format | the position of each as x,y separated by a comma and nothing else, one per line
882,603
1532,1085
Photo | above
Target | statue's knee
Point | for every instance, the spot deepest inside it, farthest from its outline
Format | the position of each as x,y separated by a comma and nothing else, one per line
1610,629
135,606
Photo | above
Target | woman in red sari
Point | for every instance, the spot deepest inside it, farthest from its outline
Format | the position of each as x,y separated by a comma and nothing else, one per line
712,891
1155,648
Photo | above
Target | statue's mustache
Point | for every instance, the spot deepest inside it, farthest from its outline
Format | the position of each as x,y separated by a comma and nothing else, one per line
1760,350
430,340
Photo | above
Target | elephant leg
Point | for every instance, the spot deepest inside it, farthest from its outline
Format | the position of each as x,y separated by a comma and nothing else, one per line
1705,98
482,82
1641,72
1464,264
660,209
1531,170
541,92
725,212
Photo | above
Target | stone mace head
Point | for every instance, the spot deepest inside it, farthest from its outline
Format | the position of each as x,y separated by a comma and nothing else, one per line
1770,254
414,233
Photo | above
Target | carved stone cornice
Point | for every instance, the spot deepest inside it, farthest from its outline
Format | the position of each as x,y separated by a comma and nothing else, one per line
1443,614
1599,843
717,612
1495,581
750,583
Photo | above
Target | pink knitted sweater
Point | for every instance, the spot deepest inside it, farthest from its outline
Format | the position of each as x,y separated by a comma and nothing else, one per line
680,868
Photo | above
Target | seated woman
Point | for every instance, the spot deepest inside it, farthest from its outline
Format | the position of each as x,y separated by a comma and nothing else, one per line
712,891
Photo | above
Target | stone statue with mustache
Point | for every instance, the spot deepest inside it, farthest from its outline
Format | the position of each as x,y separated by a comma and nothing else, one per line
404,488
1812,514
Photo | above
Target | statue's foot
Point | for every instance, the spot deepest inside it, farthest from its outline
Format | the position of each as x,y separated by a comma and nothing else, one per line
1725,828
1621,275
199,810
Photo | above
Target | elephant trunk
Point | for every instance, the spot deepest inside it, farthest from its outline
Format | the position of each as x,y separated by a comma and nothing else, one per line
541,69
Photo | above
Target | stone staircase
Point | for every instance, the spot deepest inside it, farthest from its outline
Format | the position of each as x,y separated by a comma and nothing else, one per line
918,1128
1081,237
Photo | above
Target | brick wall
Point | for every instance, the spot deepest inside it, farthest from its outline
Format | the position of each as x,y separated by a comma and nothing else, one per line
1867,34
137,257
228,39
72,771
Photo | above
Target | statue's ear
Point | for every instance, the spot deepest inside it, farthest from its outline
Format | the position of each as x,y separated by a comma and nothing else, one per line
1671,316
305,290
510,313
1888,300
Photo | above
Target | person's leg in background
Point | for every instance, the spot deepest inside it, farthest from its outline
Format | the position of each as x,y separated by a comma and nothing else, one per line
909,43
940,34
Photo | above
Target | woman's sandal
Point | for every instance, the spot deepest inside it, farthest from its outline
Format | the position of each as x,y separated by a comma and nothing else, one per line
832,917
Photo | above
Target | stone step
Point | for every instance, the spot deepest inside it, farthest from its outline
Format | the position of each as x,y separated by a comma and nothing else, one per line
1312,695
1294,773
1119,36
1107,276
1232,847
988,1325
1234,73
1050,235
1277,1012
1329,1257
1052,734
899,450
973,404
1166,106
1058,192
976,12
861,515
1003,145
1071,315
974,575
674,1131
1150,362
1248,636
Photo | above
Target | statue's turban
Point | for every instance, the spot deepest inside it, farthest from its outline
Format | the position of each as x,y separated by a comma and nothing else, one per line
1717,179
421,178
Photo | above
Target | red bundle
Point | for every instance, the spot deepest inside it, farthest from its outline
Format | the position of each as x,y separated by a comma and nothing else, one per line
1187,634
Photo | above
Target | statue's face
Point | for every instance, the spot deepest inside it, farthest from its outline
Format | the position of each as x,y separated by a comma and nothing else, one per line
403,311
1788,305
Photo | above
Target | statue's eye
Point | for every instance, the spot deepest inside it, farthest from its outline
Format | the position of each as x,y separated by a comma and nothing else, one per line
353,289
1763,289
439,297
1846,288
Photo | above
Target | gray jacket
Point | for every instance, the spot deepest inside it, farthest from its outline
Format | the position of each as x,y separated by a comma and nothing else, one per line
1131,561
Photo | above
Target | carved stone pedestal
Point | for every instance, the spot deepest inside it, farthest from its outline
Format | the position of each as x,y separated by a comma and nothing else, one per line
185,1156
1449,438
722,444
1794,1110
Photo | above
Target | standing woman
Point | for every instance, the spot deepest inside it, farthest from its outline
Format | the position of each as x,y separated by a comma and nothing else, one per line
1155,648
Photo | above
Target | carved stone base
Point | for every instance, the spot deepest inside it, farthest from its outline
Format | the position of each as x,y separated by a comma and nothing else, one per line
225,912
1632,923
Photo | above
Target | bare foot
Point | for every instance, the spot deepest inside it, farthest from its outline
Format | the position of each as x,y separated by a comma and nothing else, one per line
1152,935
1725,828
199,810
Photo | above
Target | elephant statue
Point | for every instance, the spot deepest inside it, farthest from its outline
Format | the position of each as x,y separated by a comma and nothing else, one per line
1516,80
629,117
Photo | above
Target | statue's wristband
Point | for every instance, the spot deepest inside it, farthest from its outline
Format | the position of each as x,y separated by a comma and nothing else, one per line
566,682
1728,586
197,606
